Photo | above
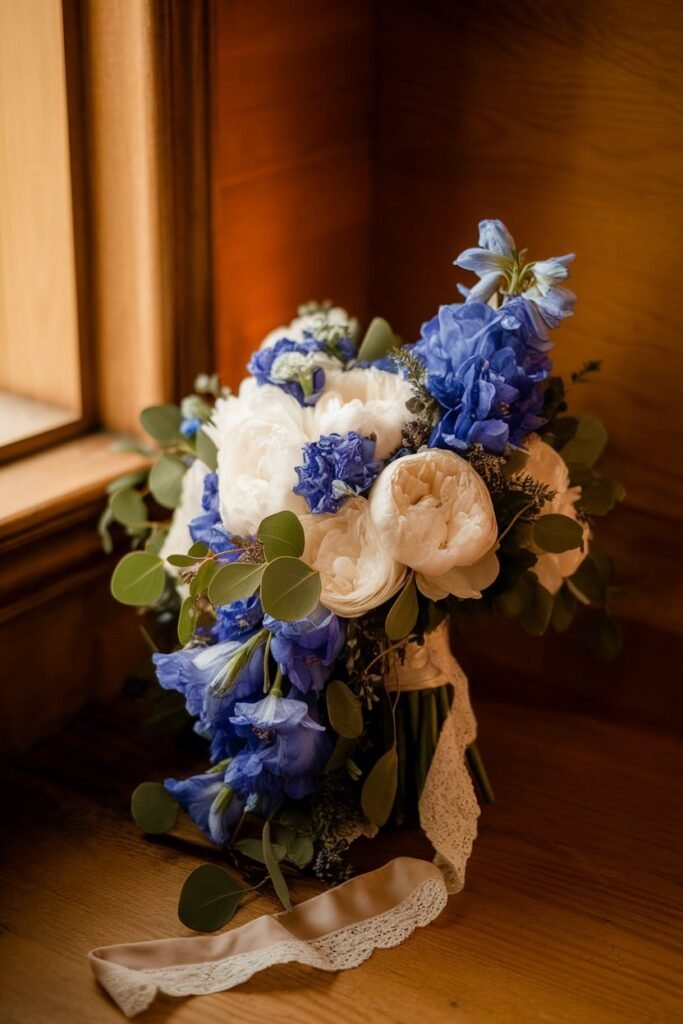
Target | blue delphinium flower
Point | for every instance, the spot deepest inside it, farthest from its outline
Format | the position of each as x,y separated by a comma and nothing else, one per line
208,527
307,649
292,366
189,427
212,805
457,333
238,620
289,752
500,266
335,467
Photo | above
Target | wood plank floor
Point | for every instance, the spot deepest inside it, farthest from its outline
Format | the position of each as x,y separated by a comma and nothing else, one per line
571,914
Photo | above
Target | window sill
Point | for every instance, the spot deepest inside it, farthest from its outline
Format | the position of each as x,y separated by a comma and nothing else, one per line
47,492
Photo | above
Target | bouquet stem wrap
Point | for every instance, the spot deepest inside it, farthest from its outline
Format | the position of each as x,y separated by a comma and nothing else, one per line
342,927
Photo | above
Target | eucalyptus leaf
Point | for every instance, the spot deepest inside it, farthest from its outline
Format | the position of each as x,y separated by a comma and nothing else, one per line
199,549
344,710
156,540
153,808
600,496
588,584
162,422
379,789
166,480
181,561
103,524
128,507
535,616
342,752
564,609
588,442
290,589
138,579
206,450
235,582
513,601
379,339
208,898
403,612
253,849
300,851
282,534
557,533
274,870
122,483
187,620
201,582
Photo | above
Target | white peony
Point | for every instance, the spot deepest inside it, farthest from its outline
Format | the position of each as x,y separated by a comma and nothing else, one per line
548,467
310,323
434,514
178,540
259,434
369,401
357,573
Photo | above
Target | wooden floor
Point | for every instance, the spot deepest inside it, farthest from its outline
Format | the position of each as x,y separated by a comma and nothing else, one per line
571,914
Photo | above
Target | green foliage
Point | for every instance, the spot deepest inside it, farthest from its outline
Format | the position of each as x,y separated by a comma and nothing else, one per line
587,444
589,582
166,480
529,602
403,613
156,540
187,620
290,589
379,789
253,849
138,579
344,710
274,869
557,533
281,534
103,524
379,339
599,496
235,582
153,808
206,450
564,610
163,423
128,507
134,479
209,898
605,638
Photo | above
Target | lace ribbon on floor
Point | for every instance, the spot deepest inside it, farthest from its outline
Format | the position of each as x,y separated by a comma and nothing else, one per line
342,927
334,931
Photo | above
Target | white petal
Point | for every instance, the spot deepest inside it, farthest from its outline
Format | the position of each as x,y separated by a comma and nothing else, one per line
482,261
495,236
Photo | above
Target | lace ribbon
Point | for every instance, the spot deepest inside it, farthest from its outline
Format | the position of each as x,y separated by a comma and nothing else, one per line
334,931
342,927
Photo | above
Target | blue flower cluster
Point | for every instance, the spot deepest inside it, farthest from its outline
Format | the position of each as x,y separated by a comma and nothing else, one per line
208,527
335,467
261,747
484,367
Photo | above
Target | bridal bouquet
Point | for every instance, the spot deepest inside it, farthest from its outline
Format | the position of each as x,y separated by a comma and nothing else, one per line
328,521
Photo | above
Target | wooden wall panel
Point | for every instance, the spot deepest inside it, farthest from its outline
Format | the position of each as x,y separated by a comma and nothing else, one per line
565,120
292,114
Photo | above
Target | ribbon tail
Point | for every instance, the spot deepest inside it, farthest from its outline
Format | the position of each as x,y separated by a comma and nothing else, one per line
334,931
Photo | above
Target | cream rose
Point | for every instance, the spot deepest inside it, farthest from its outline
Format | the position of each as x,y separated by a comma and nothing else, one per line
356,572
548,467
434,514
259,435
369,401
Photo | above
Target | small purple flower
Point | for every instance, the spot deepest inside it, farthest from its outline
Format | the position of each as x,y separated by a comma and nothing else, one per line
306,650
212,805
335,467
292,366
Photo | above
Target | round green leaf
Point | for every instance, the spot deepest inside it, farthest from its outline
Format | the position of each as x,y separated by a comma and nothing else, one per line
290,589
187,620
588,584
156,541
344,710
557,533
379,339
166,480
162,422
153,808
122,483
253,849
274,869
379,789
599,496
181,561
403,612
588,442
282,534
138,579
235,582
208,898
564,610
206,450
200,583
128,507
535,616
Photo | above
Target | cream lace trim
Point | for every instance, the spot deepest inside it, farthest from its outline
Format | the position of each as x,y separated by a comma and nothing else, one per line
340,950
